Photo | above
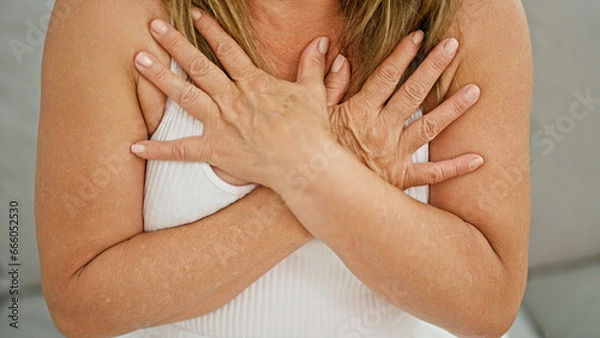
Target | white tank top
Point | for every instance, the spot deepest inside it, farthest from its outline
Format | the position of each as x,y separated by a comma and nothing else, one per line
310,294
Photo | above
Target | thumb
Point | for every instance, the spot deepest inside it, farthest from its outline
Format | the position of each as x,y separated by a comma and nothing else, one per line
190,149
312,61
337,80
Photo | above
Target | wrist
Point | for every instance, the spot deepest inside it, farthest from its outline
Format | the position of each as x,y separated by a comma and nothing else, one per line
309,162
327,201
274,211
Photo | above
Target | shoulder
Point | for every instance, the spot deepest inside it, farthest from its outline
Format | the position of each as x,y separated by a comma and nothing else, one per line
495,48
499,11
116,28
492,33
106,35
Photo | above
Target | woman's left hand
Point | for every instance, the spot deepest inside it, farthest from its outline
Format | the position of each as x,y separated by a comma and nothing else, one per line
371,124
278,115
257,127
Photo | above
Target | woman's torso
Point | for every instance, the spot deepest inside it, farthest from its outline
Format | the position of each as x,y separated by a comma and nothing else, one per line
309,294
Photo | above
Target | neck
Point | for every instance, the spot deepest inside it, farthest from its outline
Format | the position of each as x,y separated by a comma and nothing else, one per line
285,27
281,11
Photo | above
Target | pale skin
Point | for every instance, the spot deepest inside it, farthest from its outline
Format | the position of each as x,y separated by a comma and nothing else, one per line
475,253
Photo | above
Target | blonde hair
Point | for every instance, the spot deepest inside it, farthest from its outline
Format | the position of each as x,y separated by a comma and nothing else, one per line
373,29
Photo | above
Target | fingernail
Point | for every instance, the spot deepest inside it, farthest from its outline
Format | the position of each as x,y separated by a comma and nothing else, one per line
137,148
196,14
338,63
143,60
323,45
476,163
418,37
450,47
159,27
473,93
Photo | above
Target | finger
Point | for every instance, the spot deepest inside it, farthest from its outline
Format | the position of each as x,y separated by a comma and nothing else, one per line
192,99
337,80
414,91
382,83
312,62
433,173
233,58
191,149
203,72
429,126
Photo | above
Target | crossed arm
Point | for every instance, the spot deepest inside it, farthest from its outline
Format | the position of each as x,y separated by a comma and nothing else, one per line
464,270
97,268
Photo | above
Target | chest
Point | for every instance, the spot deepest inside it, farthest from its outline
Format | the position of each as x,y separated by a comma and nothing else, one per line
281,51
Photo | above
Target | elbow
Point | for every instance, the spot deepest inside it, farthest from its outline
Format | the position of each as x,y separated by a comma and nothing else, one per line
492,326
73,325
489,318
73,316
57,307
66,321
62,323
61,317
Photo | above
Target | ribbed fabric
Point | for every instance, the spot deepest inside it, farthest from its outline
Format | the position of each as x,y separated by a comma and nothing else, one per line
178,193
310,294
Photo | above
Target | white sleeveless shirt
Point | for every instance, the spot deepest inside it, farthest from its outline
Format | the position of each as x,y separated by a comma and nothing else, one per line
310,294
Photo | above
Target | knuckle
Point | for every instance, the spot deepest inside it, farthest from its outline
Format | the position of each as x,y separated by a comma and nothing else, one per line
331,86
206,154
173,42
334,86
199,66
224,48
258,83
317,62
406,47
439,64
390,74
457,107
415,92
160,74
188,94
178,150
435,175
430,128
459,169
232,98
408,54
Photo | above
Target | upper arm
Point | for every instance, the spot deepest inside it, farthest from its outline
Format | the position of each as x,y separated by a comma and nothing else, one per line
495,55
89,187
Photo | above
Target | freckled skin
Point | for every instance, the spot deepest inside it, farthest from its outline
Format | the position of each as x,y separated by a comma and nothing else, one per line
292,98
79,276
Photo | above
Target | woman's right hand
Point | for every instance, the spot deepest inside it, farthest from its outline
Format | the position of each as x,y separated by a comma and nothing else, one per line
374,130
371,124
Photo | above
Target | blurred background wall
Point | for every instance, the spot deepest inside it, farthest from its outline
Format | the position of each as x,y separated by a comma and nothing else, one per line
563,295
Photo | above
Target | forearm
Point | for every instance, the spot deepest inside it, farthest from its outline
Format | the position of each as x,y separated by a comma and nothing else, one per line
180,273
284,235
426,261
